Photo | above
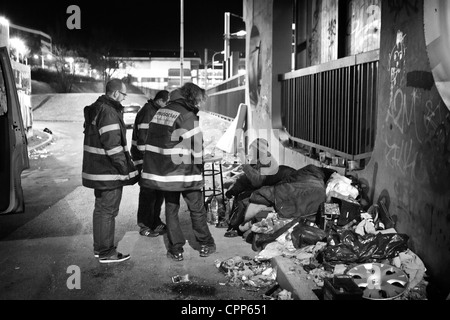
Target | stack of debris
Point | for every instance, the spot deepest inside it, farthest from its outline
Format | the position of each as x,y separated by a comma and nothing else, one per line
344,237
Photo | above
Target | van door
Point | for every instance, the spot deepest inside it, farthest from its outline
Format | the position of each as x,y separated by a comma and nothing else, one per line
13,141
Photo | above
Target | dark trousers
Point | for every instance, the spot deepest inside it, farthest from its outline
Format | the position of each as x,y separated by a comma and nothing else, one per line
149,208
106,209
194,201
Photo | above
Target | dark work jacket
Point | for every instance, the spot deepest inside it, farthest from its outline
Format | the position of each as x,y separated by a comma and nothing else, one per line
106,160
141,124
173,158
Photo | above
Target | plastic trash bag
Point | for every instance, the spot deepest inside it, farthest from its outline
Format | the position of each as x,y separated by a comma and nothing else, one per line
305,235
346,246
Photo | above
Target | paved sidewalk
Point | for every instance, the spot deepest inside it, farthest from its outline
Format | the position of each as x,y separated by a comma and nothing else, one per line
39,139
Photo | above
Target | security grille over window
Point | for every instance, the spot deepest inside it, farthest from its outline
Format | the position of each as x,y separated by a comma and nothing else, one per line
332,107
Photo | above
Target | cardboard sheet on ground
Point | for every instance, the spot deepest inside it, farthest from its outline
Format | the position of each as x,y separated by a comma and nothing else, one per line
229,141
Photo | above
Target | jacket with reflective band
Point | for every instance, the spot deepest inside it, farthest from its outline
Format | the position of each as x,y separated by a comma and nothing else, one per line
141,123
106,160
174,149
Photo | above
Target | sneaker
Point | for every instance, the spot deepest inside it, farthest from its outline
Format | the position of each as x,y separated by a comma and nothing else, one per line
161,229
118,257
206,250
148,233
175,256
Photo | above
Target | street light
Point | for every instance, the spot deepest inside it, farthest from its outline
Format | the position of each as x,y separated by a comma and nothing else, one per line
228,36
241,34
221,52
18,45
212,62
48,56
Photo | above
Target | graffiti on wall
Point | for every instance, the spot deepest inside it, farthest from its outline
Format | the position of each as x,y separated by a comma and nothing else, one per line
313,48
332,33
329,18
419,148
363,26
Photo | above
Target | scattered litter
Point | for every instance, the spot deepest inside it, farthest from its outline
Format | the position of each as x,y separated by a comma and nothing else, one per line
179,279
285,295
248,273
340,269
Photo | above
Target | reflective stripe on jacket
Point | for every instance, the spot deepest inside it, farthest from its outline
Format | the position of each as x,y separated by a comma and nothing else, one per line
174,149
140,129
106,160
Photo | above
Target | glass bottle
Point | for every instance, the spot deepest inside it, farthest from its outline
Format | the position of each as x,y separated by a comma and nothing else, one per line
214,208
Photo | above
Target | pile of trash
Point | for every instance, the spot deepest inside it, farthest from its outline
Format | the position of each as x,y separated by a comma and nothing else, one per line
345,233
248,273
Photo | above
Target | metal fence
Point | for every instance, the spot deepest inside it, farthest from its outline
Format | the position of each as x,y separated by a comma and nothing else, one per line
225,98
332,107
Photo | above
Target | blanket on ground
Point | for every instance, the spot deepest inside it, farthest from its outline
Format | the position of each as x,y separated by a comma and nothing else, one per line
298,195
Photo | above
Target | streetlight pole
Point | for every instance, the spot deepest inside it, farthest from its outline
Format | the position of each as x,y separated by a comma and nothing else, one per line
214,55
206,68
227,36
181,42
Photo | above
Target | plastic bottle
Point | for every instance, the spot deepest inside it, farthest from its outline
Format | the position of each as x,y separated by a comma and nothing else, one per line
209,215
214,208
228,210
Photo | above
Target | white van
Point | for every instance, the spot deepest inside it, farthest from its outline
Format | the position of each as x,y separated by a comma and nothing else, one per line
13,140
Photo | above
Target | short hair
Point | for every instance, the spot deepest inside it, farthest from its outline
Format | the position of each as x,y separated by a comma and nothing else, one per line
113,85
193,93
173,93
163,95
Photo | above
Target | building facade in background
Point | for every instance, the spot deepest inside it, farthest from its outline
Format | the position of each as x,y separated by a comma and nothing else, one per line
157,70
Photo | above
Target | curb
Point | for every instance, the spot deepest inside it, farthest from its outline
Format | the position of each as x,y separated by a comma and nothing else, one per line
293,278
44,143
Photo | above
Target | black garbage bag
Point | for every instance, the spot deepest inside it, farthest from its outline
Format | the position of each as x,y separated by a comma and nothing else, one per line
260,240
237,216
346,246
305,235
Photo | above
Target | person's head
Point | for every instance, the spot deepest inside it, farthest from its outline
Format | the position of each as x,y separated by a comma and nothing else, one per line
116,90
161,98
193,93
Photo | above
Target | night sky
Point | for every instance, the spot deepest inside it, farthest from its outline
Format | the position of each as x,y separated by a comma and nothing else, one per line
150,25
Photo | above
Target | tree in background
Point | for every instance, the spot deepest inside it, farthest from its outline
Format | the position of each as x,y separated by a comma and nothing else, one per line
63,63
104,54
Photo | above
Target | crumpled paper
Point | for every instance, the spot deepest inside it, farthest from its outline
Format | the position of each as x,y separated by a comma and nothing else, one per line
341,185
409,262
366,226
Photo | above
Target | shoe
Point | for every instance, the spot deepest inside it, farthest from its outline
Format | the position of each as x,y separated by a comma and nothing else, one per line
231,233
149,233
97,255
206,250
118,257
161,229
175,256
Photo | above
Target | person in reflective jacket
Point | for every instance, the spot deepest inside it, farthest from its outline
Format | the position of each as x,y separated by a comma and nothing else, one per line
107,166
150,200
173,162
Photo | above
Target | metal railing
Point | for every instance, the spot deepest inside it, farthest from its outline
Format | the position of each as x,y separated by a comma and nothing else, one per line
332,107
224,99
